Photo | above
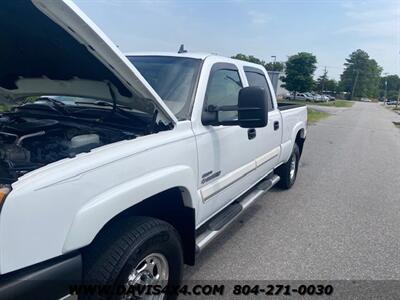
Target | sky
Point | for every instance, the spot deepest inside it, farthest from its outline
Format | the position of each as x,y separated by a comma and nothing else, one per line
330,29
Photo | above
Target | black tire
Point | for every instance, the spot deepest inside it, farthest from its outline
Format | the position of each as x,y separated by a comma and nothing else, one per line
287,181
120,248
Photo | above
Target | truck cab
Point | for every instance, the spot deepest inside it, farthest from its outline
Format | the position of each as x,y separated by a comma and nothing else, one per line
230,158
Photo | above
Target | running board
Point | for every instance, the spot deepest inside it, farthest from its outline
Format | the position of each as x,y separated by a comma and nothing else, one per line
222,220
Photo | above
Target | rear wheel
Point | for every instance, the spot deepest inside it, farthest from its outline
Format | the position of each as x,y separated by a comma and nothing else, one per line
288,171
134,254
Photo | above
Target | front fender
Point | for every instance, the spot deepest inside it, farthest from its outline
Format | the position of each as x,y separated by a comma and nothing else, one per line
92,217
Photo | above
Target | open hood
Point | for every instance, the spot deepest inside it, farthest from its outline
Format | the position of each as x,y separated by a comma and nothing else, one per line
50,47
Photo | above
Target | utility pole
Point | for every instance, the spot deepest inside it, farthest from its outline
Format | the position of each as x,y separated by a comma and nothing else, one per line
398,97
385,95
323,80
354,85
274,62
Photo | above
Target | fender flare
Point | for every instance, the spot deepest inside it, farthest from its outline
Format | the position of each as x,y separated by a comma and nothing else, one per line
96,213
299,127
287,147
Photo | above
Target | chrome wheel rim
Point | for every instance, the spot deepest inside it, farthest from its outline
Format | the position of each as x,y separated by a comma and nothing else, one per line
151,270
293,166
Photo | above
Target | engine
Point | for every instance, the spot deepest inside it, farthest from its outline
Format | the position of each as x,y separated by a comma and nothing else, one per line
27,144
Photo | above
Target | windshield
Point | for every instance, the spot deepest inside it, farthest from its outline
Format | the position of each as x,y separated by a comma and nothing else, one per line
173,78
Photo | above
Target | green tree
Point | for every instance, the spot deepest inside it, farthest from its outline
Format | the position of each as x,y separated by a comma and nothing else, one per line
392,88
361,75
249,58
275,66
331,85
299,72
271,66
323,83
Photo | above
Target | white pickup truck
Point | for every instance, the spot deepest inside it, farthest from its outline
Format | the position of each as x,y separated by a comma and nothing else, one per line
118,169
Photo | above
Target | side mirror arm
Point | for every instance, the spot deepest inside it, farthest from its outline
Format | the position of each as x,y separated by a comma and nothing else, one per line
214,108
212,112
210,116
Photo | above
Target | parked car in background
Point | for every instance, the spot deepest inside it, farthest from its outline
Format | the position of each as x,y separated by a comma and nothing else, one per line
288,96
331,98
365,100
309,96
299,96
325,98
318,98
391,102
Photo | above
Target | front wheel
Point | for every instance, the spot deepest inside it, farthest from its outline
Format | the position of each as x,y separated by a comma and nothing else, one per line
288,171
135,253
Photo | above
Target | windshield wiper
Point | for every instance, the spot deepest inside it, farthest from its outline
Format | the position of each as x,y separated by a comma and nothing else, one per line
102,103
116,108
57,104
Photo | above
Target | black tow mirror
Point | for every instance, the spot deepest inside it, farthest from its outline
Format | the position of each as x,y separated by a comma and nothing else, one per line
252,110
252,107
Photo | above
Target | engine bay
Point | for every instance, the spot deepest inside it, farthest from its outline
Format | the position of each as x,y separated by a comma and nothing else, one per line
28,143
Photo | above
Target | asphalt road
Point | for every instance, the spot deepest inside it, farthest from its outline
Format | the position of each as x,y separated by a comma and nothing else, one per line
341,220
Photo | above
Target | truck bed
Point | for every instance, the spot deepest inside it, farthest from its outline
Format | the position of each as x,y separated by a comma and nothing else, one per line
294,117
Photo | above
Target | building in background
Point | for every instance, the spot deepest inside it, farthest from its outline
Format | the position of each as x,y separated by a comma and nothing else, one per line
275,76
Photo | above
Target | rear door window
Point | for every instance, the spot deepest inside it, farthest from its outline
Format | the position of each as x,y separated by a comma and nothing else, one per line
258,79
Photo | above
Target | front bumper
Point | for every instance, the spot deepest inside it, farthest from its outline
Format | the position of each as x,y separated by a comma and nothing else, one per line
51,279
